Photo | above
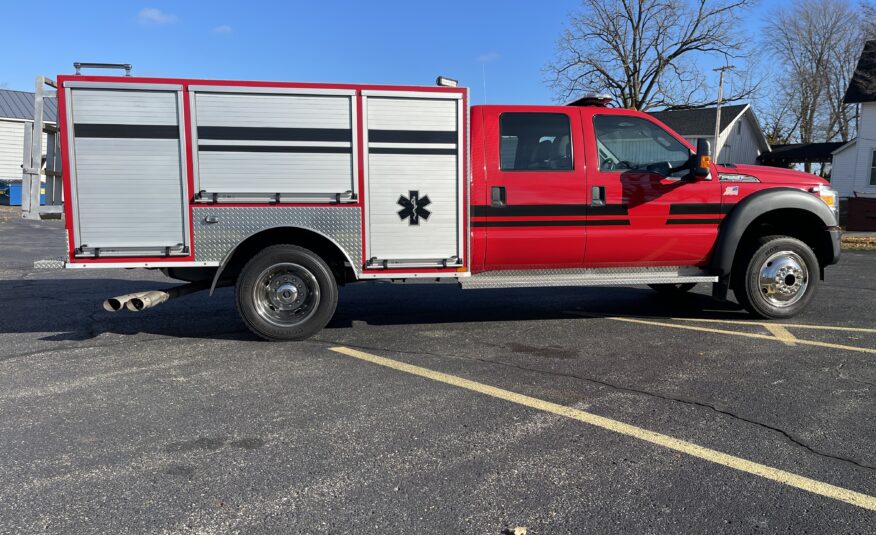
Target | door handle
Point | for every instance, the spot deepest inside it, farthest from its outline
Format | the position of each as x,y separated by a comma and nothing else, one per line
597,196
497,196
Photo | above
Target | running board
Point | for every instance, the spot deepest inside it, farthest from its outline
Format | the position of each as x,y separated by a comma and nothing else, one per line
585,277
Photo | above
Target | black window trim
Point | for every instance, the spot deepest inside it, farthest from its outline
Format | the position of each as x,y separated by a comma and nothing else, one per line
571,142
620,171
872,182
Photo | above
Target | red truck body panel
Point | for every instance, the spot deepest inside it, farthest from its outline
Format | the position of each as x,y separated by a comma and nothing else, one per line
647,220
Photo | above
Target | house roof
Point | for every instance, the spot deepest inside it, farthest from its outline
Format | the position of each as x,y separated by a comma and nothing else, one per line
800,153
845,146
19,105
862,88
699,121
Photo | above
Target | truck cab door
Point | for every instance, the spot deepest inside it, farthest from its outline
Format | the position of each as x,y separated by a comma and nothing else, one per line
640,175
528,211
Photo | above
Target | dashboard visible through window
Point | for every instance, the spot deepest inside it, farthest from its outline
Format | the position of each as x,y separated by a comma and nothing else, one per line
535,142
634,144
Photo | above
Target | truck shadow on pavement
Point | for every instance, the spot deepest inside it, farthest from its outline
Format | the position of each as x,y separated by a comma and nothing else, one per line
70,309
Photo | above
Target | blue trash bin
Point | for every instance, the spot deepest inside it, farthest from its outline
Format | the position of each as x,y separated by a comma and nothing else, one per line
10,193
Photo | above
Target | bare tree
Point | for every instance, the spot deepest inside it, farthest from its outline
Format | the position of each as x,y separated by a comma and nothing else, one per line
818,43
644,53
842,61
777,117
868,19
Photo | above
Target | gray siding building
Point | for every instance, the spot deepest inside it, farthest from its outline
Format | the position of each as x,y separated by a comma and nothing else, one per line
16,110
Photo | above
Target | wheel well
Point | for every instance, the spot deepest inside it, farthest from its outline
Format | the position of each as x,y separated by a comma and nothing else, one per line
319,244
794,222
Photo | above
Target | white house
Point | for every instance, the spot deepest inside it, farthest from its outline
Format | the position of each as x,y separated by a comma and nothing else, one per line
741,137
854,164
16,109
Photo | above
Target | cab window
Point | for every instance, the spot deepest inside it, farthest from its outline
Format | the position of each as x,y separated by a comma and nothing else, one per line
535,142
634,144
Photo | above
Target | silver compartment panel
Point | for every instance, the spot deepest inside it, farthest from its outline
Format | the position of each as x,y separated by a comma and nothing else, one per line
215,241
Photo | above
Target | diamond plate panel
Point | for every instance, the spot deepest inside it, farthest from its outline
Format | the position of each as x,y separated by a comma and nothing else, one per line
215,240
49,264
586,277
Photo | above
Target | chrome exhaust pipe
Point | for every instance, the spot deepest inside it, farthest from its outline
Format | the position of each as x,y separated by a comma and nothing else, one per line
114,304
146,300
143,300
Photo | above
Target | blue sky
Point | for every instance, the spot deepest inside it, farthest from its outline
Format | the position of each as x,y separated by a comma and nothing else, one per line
377,41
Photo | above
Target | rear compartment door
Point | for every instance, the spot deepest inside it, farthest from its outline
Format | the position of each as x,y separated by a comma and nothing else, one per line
274,144
126,151
414,159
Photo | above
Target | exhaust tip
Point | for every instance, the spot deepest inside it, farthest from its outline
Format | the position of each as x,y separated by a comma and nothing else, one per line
135,305
113,304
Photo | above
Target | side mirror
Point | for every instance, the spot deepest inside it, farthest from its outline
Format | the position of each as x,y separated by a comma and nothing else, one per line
702,162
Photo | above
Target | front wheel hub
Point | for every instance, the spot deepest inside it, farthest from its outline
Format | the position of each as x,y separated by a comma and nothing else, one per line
783,278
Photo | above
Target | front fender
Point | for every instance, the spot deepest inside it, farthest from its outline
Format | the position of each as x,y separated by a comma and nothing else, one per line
743,214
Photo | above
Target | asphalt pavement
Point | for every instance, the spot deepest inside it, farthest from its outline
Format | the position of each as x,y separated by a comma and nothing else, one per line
582,410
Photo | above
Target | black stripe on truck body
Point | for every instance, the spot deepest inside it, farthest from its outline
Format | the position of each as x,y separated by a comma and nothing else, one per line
412,136
693,221
393,150
274,148
260,133
126,131
535,210
563,223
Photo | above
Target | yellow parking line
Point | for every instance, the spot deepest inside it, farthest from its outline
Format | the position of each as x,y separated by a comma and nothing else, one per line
737,463
786,325
747,335
781,333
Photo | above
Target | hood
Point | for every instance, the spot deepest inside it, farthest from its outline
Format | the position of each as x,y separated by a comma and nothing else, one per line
775,175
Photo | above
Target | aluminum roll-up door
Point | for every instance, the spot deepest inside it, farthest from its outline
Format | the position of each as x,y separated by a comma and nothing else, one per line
258,145
127,170
415,151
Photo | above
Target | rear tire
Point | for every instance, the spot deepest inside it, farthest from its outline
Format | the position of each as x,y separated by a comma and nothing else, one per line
673,289
286,292
778,278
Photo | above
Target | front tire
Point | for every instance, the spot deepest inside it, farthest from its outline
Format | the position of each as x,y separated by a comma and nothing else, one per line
286,292
779,278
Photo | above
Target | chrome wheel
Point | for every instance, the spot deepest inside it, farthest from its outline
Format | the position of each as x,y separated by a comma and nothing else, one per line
286,294
783,278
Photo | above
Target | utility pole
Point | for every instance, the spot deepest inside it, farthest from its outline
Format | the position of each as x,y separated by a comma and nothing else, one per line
717,150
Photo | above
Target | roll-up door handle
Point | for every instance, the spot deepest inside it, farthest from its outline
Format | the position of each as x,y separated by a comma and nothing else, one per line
497,196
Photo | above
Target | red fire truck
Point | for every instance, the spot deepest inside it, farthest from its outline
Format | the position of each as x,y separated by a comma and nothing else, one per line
289,190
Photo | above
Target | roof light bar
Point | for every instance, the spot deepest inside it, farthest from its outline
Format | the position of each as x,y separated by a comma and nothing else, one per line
444,81
592,99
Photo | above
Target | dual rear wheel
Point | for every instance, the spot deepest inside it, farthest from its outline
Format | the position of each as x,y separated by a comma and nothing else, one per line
286,292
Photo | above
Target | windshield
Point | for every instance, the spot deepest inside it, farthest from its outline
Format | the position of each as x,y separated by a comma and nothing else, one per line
631,143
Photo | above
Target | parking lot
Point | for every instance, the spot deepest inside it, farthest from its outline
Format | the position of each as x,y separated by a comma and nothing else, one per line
429,409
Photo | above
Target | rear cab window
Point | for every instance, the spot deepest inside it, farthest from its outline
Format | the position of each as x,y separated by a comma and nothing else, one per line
535,142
